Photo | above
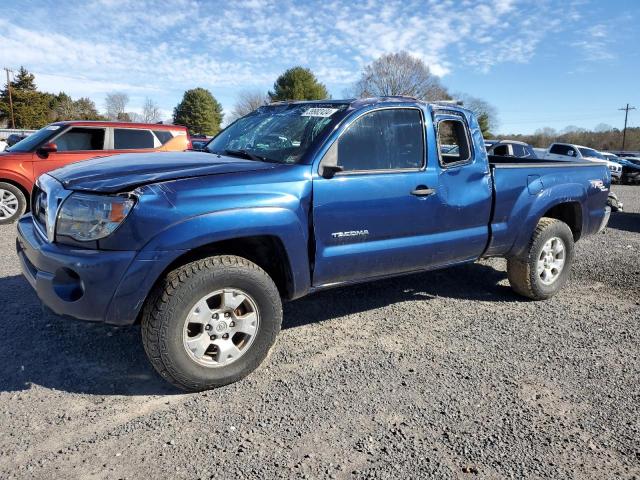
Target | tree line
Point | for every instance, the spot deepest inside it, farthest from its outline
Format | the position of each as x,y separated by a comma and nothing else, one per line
394,74
602,137
33,109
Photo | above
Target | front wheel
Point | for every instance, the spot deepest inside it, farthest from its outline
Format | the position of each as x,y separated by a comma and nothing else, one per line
545,266
211,322
12,203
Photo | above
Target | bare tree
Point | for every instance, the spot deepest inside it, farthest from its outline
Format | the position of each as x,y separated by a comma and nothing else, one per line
151,111
485,112
399,74
116,104
247,102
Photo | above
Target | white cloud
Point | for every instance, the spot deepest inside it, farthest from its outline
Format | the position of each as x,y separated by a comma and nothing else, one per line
596,43
160,49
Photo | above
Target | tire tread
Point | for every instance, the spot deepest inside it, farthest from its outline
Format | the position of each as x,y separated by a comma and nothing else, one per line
153,326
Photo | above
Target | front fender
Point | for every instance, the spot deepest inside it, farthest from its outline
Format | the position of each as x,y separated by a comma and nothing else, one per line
532,209
202,230
17,178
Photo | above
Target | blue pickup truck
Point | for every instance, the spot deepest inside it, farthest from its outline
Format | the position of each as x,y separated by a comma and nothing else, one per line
203,247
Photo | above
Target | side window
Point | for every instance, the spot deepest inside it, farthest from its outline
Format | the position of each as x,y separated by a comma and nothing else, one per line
528,152
163,135
502,150
81,139
518,150
453,132
129,138
383,140
557,149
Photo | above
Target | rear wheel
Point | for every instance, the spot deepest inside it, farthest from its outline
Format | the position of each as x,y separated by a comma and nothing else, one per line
211,322
544,268
12,203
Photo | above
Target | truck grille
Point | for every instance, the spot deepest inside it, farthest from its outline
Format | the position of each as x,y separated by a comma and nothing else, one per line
46,198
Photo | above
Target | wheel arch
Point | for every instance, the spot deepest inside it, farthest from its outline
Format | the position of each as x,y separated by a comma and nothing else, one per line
564,203
266,251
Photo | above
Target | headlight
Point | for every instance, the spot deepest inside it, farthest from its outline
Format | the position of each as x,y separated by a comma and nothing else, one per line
85,217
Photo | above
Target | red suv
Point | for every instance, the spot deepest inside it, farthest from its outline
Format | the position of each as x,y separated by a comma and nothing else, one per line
65,142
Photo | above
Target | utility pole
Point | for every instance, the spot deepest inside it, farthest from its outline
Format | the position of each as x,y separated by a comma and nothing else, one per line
13,120
626,115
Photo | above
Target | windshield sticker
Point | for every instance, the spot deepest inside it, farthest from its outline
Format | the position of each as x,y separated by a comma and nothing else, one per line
53,127
319,112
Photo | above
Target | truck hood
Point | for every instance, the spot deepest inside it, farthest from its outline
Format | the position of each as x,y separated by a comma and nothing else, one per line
124,172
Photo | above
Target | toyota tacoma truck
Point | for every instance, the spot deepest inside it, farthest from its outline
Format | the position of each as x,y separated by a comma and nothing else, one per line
201,248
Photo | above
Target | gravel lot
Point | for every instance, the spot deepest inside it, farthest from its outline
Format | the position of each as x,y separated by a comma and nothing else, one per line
445,375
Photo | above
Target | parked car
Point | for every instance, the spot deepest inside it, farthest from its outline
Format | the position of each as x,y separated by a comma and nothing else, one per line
199,141
567,151
202,247
630,167
64,142
512,148
489,143
3,144
540,152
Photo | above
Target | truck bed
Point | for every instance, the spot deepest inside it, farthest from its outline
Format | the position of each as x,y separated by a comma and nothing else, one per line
524,190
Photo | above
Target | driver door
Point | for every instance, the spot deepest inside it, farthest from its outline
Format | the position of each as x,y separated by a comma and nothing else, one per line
373,218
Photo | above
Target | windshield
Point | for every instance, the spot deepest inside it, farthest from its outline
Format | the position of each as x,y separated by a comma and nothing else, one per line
275,133
589,152
35,139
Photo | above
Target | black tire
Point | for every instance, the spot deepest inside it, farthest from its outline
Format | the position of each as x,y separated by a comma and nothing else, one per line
173,298
522,271
22,203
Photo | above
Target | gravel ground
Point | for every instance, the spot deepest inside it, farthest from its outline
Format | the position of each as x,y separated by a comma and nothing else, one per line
445,375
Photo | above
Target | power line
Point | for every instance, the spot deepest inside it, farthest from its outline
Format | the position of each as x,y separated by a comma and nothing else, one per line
13,120
626,115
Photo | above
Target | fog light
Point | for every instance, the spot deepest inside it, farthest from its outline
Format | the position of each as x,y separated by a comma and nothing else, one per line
67,285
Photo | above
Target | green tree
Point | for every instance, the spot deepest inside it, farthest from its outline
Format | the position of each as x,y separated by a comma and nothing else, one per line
24,80
485,113
85,109
30,107
199,111
298,83
62,108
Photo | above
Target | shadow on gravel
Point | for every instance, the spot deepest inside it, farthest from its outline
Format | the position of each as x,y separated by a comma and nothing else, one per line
469,281
40,348
625,221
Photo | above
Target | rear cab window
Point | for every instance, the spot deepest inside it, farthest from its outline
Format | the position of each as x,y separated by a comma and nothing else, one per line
518,150
453,132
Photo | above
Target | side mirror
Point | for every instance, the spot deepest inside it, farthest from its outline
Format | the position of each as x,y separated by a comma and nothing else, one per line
329,171
48,148
329,164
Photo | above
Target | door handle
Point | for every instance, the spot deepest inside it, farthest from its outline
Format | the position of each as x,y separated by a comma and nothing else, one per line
422,191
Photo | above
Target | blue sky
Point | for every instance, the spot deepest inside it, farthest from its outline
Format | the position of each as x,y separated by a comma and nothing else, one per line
540,63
